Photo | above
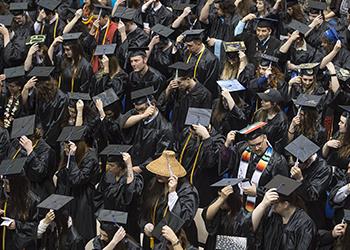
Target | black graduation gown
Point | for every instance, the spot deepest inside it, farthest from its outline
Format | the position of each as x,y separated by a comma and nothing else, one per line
298,234
80,182
316,180
162,16
160,59
207,70
49,31
4,143
25,30
84,79
224,224
230,159
148,140
120,196
118,82
25,234
205,172
15,52
179,102
222,27
301,56
314,37
185,207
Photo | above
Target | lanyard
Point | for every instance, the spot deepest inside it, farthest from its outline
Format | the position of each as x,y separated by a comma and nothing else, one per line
151,243
54,29
197,62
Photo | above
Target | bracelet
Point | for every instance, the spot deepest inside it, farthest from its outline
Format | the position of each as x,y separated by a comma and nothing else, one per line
38,21
333,74
176,243
291,132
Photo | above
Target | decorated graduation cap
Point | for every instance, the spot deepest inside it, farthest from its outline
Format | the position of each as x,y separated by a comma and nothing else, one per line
196,116
171,220
271,95
234,46
106,49
6,20
182,69
252,131
15,74
308,101
231,85
225,242
55,202
18,8
308,69
137,51
72,133
42,72
162,30
142,96
39,39
114,152
194,34
284,186
331,35
126,14
317,6
71,37
228,181
302,148
166,165
107,97
299,26
13,167
23,126
50,5
267,60
342,74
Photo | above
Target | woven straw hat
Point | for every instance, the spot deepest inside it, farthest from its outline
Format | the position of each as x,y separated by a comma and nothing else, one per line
166,164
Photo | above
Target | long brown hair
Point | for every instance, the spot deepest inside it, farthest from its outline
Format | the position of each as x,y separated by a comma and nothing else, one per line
261,114
77,55
274,78
82,149
344,150
19,196
308,125
114,67
298,13
231,67
244,8
46,90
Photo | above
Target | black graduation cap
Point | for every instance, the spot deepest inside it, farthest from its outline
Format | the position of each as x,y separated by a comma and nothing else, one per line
42,72
23,126
115,149
345,108
198,116
194,34
137,51
162,30
14,73
72,133
112,216
107,97
171,220
106,49
234,46
272,95
124,13
6,20
316,5
182,69
12,167
266,59
79,96
299,26
225,242
102,10
309,101
227,181
18,8
182,6
49,4
284,185
55,202
39,39
302,148
142,95
232,85
71,37
291,2
347,215
267,22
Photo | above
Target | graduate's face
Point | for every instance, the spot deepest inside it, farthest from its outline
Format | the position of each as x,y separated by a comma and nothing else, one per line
103,21
13,88
20,19
141,108
193,46
258,145
307,81
68,51
72,112
326,44
103,235
113,168
260,5
342,125
263,32
218,10
262,70
183,83
280,207
162,179
138,63
266,105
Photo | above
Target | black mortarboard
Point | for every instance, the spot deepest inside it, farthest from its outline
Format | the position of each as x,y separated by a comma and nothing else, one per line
272,95
309,101
284,185
182,69
302,148
182,6
79,96
55,202
107,97
49,4
137,51
227,181
142,95
308,69
195,34
6,20
252,131
267,22
291,2
12,167
71,37
18,8
345,108
102,10
347,215
196,116
107,49
15,73
39,39
115,149
42,72
128,14
112,216
232,85
171,220
23,126
72,133
162,30
316,5
299,26
225,242
234,46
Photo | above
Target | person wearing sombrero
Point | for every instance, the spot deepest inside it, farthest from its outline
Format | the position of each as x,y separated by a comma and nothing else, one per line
168,193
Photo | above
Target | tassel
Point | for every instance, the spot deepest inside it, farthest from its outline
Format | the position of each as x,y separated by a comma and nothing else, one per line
151,242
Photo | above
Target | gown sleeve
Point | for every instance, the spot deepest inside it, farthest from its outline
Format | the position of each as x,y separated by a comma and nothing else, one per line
80,176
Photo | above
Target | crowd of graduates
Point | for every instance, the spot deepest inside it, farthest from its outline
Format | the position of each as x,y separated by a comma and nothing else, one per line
130,124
